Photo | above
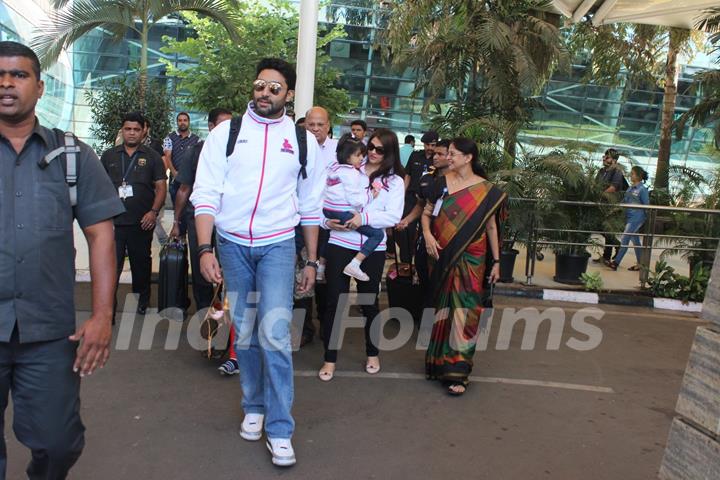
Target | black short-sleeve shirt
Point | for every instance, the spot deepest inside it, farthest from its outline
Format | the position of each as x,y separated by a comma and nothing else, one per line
418,165
140,170
37,251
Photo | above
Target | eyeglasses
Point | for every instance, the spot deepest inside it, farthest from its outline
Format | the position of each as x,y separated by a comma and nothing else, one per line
275,87
380,150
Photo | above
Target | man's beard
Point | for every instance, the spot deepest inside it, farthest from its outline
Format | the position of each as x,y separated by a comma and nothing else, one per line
183,128
132,144
270,111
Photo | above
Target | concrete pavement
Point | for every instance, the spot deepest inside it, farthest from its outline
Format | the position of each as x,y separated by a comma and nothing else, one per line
602,414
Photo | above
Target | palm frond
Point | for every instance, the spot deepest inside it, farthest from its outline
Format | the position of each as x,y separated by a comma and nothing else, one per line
70,23
221,11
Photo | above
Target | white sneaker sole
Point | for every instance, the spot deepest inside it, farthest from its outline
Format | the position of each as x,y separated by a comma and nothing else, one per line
357,277
250,436
280,461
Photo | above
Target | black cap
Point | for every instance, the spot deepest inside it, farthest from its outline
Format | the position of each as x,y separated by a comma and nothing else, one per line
430,136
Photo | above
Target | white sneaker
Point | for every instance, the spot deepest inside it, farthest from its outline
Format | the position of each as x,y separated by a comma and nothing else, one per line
354,271
252,426
320,276
282,451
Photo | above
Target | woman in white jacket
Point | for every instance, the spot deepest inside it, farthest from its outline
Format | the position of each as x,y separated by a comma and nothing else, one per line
384,169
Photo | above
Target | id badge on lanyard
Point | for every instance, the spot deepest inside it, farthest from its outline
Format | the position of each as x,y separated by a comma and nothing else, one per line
438,204
125,191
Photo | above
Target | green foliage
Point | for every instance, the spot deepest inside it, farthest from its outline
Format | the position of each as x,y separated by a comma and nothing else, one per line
707,111
664,282
563,174
225,68
492,55
119,96
72,20
592,282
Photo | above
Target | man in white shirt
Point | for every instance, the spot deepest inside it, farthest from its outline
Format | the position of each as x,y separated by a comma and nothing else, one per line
317,122
255,196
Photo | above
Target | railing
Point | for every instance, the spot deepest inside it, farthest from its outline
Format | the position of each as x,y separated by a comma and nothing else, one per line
651,240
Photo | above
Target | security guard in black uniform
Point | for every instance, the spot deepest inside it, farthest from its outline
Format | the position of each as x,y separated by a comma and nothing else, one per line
418,165
138,174
48,179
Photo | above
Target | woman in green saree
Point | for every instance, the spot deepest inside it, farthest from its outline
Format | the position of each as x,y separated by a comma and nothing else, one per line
462,234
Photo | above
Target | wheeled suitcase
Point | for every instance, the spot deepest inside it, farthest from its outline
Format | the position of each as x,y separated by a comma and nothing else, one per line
173,277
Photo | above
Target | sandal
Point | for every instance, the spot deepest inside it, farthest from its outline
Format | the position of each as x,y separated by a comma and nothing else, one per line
612,266
634,268
453,389
372,369
326,374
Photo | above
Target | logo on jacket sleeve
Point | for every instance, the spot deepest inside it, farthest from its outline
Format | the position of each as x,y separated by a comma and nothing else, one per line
287,147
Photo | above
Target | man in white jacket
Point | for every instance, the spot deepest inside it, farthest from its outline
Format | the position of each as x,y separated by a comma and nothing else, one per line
255,198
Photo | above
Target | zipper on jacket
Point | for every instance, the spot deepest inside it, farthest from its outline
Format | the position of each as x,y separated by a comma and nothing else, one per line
262,177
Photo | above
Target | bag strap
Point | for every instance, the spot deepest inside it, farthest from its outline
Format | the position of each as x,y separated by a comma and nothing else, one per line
301,135
66,145
71,166
235,124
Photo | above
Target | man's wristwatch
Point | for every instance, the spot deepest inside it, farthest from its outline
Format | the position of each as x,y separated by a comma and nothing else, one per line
312,263
156,212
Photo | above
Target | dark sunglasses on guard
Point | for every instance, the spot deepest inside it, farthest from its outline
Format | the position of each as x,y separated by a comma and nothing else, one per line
259,86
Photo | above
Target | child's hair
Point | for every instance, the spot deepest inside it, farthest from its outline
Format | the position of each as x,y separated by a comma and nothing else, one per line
640,172
347,147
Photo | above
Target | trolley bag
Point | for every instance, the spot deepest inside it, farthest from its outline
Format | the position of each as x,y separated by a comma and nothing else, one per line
173,278
403,287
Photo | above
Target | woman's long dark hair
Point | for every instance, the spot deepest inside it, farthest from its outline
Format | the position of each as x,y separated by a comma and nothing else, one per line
469,147
391,164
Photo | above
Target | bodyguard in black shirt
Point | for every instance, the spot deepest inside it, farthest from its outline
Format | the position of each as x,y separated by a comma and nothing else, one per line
138,174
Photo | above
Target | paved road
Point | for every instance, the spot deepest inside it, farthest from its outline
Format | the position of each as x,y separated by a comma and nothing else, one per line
537,414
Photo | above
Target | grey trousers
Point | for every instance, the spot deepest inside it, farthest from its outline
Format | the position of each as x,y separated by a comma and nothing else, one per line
46,404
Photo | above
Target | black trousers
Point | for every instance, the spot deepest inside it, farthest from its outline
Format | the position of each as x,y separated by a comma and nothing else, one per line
338,283
610,242
46,405
202,289
136,242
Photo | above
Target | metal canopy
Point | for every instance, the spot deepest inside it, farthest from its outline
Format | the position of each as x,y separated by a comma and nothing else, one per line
671,13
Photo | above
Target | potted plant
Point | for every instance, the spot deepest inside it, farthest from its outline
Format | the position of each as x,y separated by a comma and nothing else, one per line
569,226
693,189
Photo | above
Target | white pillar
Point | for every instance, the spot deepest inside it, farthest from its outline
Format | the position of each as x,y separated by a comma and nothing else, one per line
307,46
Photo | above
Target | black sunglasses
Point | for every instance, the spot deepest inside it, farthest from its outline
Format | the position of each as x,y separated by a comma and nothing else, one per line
275,87
371,146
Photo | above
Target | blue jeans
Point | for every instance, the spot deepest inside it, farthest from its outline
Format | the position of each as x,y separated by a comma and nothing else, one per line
374,235
262,327
631,228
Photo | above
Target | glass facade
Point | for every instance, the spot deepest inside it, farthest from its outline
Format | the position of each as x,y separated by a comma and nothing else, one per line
599,116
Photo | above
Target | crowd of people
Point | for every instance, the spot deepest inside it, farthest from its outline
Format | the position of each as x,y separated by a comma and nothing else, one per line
260,196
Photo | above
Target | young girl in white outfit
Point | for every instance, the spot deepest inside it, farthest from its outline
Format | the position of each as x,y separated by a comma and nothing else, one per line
346,193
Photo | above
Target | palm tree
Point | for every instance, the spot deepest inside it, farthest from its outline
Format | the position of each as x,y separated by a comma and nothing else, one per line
708,110
70,21
491,53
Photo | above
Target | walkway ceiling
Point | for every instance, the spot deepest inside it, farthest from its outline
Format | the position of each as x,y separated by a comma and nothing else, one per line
671,13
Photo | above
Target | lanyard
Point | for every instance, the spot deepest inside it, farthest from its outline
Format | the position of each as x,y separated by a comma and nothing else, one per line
130,167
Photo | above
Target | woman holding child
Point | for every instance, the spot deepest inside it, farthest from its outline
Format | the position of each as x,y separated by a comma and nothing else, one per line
381,179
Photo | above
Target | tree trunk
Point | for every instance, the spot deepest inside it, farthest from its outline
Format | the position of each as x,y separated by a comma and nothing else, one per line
142,77
662,174
510,141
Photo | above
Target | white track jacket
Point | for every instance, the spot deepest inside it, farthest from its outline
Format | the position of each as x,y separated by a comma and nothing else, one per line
257,195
